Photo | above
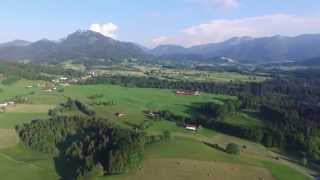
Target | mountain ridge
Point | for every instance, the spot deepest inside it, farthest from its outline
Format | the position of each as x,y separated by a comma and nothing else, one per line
90,45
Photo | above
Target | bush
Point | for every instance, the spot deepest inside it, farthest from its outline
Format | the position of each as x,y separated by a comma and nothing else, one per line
233,148
304,161
167,135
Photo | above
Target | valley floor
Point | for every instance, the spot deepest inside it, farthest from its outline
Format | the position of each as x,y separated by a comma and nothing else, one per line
185,156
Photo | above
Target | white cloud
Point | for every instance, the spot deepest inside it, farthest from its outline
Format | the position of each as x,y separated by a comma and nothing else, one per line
223,29
226,4
159,40
220,4
108,29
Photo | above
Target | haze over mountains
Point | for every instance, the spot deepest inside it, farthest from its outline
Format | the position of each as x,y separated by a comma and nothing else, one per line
92,45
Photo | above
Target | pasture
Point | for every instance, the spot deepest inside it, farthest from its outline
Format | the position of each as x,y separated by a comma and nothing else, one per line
186,156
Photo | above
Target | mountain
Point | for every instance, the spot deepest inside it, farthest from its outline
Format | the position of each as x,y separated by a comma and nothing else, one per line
254,50
15,43
168,50
78,45
314,62
91,46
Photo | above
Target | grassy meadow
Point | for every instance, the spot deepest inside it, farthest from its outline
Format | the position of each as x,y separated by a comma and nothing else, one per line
185,156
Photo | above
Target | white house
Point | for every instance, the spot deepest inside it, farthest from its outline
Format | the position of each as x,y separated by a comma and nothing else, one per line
11,103
4,105
191,127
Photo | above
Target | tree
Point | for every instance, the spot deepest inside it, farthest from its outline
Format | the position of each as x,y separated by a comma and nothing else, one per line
233,148
167,135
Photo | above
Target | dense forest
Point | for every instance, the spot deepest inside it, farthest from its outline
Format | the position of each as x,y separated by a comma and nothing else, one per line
84,146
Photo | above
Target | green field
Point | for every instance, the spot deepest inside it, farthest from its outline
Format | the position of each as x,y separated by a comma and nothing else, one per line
180,74
243,119
186,156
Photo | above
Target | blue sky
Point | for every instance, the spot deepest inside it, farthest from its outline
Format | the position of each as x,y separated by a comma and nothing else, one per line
153,22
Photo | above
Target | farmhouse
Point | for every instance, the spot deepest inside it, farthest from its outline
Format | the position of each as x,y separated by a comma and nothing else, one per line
6,104
191,127
3,105
11,103
63,78
118,114
187,93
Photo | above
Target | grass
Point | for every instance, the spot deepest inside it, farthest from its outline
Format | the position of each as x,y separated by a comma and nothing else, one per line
132,101
19,161
243,119
10,120
184,169
161,158
280,172
30,108
184,158
186,148
8,138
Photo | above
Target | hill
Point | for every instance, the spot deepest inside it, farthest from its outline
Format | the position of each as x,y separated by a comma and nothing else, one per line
15,43
81,45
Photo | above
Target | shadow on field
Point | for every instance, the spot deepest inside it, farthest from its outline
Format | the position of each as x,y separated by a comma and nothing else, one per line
66,167
215,146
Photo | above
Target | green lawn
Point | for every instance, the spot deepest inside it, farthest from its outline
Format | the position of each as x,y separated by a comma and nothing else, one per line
243,119
282,172
10,120
20,162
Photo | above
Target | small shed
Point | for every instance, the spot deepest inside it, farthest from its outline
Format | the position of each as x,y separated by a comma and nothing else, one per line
118,114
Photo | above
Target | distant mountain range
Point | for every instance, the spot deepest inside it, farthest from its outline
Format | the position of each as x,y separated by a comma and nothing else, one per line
15,43
91,45
247,49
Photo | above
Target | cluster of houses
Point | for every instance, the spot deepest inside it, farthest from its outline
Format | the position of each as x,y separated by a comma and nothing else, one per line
4,105
64,82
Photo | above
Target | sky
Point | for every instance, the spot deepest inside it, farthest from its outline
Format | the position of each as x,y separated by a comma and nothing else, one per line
155,22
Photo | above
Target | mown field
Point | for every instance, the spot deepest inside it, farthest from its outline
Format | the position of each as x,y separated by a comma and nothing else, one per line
185,156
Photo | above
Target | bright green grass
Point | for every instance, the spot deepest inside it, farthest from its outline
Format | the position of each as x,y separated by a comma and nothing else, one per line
183,148
186,148
242,119
282,172
141,98
17,89
20,162
10,120
159,127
